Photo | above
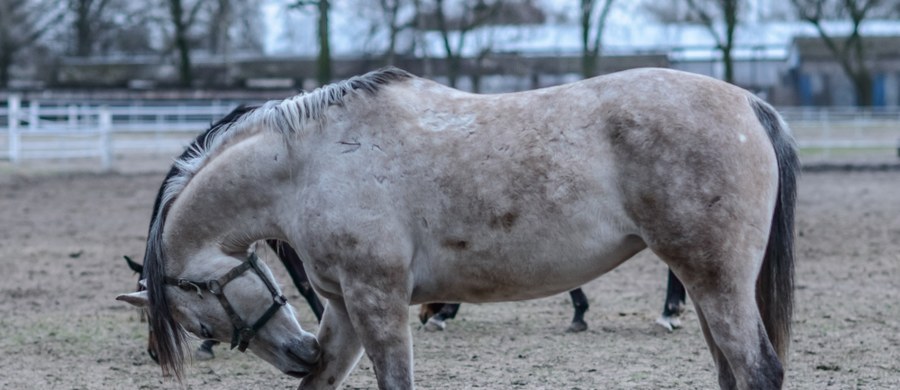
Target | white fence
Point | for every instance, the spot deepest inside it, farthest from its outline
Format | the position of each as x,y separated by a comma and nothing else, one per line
48,130
39,130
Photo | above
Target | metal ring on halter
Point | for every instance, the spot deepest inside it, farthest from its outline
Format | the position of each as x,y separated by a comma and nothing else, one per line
214,287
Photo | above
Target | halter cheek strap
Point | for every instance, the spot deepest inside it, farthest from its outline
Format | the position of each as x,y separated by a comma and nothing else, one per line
241,333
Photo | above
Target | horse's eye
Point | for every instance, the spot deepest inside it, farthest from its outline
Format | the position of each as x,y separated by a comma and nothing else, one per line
205,333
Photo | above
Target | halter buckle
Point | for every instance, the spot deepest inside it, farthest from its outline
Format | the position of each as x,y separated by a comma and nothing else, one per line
214,287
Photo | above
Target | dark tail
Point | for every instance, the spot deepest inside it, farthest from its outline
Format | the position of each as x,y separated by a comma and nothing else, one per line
775,285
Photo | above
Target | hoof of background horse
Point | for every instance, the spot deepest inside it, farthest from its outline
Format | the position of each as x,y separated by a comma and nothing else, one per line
578,326
434,325
670,323
202,354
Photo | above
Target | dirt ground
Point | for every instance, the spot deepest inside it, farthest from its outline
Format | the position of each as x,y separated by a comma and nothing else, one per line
62,237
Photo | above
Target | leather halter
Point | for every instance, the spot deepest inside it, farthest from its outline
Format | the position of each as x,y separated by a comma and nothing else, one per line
242,333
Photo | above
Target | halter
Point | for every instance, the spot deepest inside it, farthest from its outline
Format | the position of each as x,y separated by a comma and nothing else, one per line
241,334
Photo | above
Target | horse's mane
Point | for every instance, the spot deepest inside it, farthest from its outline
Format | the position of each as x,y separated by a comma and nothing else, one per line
289,116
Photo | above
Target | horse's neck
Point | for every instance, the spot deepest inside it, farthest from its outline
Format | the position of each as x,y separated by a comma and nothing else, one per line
234,200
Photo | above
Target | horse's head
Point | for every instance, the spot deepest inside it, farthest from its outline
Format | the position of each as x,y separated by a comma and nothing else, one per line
228,299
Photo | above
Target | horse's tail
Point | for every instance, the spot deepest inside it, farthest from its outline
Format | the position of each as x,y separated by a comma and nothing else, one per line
775,285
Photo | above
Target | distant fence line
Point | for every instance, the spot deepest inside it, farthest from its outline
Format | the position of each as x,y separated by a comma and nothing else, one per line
59,130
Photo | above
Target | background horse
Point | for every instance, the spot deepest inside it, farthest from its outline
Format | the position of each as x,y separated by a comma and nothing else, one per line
395,190
435,315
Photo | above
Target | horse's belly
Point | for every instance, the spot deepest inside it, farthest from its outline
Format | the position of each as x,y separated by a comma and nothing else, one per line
503,270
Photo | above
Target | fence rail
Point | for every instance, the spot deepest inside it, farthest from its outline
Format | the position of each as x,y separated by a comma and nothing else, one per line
61,130
51,130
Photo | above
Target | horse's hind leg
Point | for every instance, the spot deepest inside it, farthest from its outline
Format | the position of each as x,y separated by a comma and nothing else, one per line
580,303
726,376
438,321
674,304
724,293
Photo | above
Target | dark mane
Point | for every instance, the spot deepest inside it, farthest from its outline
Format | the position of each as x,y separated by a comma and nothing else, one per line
170,337
288,116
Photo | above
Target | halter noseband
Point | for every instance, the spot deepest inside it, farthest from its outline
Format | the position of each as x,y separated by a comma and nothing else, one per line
241,334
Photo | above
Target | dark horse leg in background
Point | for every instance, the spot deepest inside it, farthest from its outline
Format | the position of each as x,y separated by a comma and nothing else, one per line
291,262
674,305
294,266
434,315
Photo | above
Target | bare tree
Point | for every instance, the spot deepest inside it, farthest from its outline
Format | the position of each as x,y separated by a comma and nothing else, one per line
182,19
472,14
323,62
391,14
849,51
89,18
719,17
219,25
99,27
595,22
22,24
388,20
230,19
727,11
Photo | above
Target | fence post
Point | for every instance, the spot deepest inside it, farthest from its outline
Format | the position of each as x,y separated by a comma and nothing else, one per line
14,105
72,112
34,119
106,151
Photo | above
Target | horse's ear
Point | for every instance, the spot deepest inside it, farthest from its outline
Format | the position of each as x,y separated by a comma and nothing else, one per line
134,266
138,299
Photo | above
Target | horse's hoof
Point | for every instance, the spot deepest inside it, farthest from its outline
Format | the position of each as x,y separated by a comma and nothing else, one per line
670,323
434,325
576,327
202,354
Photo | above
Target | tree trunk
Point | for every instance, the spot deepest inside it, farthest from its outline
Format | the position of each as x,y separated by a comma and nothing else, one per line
323,63
730,11
588,59
186,76
5,63
83,28
864,89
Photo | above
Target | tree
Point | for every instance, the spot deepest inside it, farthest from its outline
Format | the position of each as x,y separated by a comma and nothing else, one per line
727,10
848,51
323,61
89,18
591,44
233,25
182,20
719,17
100,27
472,14
390,14
22,24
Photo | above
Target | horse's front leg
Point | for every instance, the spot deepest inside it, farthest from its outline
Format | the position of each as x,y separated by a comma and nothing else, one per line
379,310
340,347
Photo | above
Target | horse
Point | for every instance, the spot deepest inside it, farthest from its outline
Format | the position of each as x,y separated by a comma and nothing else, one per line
396,190
434,316
291,262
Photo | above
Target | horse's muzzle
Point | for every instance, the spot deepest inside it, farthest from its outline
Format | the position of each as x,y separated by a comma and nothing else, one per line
305,353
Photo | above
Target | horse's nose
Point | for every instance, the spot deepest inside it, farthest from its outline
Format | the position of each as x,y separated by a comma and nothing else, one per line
305,349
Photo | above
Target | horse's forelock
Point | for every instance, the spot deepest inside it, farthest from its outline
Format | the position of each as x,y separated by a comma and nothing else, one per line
170,337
